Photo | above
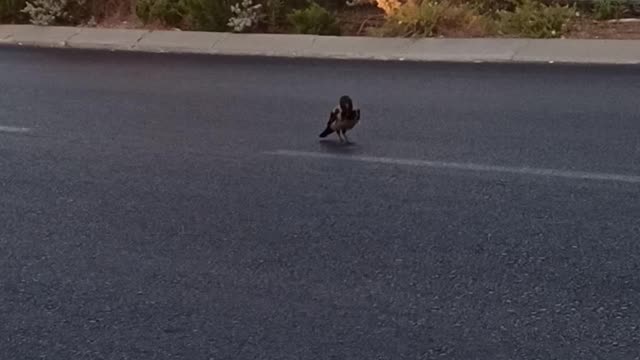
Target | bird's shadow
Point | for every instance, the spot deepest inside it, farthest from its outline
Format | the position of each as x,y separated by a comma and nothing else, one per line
335,146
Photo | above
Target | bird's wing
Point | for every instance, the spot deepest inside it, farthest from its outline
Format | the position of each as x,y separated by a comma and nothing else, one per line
333,116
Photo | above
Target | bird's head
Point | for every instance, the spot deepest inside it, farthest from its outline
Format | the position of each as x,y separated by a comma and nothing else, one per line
346,105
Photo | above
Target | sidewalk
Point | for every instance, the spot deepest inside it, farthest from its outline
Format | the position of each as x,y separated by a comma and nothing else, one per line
309,46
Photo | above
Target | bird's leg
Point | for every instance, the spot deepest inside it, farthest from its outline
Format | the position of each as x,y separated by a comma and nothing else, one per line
344,134
339,132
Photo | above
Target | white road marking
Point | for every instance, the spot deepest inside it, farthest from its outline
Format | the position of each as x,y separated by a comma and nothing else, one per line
569,174
13,129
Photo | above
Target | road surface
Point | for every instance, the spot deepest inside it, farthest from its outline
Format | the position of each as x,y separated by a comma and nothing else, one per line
183,207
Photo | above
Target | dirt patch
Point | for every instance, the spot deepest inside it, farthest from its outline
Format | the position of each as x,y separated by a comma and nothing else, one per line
590,29
359,21
364,20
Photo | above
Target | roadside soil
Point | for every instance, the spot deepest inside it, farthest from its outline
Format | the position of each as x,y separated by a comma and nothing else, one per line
364,20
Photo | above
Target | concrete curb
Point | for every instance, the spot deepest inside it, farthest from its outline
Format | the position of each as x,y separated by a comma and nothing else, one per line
328,47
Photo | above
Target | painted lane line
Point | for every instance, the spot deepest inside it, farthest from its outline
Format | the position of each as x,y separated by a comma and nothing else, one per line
13,129
569,174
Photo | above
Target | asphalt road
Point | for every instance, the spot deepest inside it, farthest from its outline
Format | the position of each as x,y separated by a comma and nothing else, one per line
182,207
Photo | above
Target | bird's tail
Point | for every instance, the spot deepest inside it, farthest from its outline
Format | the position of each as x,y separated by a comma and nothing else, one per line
326,132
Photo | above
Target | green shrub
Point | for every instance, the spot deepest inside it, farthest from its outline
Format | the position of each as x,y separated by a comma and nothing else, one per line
208,15
608,9
166,12
327,4
429,18
79,11
143,10
314,19
536,20
10,11
275,11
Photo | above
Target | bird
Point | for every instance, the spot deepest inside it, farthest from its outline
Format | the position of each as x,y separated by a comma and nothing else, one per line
342,119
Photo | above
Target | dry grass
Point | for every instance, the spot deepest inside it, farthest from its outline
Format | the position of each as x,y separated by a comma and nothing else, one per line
120,14
115,13
533,19
426,18
361,20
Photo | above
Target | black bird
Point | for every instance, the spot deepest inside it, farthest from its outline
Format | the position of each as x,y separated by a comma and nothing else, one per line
342,119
